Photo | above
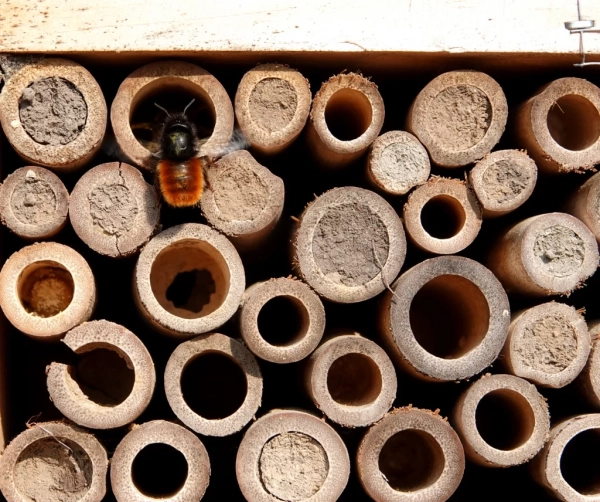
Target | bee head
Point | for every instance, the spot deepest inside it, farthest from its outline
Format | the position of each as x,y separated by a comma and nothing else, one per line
178,137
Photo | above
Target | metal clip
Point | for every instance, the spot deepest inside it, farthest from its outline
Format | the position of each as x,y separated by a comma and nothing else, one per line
582,26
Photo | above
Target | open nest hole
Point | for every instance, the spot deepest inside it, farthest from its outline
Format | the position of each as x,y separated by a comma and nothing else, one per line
443,217
354,380
159,471
283,321
578,465
46,288
348,114
574,122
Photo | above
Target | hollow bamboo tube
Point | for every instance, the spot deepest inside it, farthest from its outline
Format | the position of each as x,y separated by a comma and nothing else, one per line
459,116
346,117
53,113
560,125
584,204
547,254
281,320
502,421
243,199
503,181
269,468
548,344
554,466
442,216
156,78
113,210
243,371
188,280
159,432
271,106
34,203
397,162
411,437
50,457
352,380
349,244
108,413
447,319
46,289
589,379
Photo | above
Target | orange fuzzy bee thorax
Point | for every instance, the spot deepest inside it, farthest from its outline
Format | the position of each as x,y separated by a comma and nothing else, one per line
181,182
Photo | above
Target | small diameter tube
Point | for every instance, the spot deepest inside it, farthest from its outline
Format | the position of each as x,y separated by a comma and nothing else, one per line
53,114
419,438
584,204
447,319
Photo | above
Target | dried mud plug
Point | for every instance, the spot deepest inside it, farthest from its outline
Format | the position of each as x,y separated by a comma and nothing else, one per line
53,114
34,203
410,455
281,320
442,216
243,199
113,210
346,117
548,254
291,455
159,460
548,344
46,289
136,120
459,116
468,330
397,162
565,466
112,384
502,421
584,204
352,380
189,280
213,384
54,461
271,106
560,125
503,181
349,245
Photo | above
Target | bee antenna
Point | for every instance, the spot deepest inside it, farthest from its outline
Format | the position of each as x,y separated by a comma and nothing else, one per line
188,105
163,109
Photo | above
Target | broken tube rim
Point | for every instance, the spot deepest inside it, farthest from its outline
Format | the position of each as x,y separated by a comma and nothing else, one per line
271,142
59,157
317,380
44,430
24,229
153,76
47,254
480,451
71,401
280,422
410,419
179,236
184,354
256,297
160,432
307,268
396,325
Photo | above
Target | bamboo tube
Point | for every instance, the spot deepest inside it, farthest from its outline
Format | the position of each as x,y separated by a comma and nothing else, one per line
221,393
34,203
560,125
269,465
502,421
447,319
442,216
348,245
189,280
589,379
346,117
548,254
53,113
54,459
184,471
584,204
459,116
46,289
113,210
352,380
114,381
271,106
410,455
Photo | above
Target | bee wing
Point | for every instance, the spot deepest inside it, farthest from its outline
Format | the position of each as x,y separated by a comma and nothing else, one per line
237,142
